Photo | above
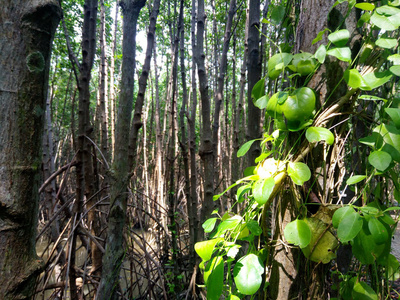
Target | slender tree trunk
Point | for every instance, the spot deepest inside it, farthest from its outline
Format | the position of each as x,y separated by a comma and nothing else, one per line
26,35
137,115
115,252
206,150
253,130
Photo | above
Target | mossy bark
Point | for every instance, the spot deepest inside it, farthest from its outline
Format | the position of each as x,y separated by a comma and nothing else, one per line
26,33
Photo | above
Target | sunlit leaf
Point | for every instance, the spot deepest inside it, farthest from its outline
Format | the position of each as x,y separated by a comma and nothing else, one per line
298,233
205,249
395,59
247,274
366,6
320,54
339,38
299,172
386,43
343,54
229,224
363,291
355,179
261,103
262,189
214,278
317,134
258,90
319,36
376,79
246,146
373,98
348,222
209,224
380,160
279,59
354,79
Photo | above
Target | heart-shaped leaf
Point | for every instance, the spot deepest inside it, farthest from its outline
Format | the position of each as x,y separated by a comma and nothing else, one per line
378,231
343,54
262,189
209,224
299,172
317,134
386,43
339,38
380,160
362,291
246,146
348,223
298,233
355,179
205,249
247,274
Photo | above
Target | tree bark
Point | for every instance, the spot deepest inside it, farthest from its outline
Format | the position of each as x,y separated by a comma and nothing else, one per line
26,34
114,255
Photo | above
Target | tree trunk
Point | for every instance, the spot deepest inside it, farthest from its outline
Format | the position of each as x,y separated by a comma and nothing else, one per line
253,75
27,31
114,255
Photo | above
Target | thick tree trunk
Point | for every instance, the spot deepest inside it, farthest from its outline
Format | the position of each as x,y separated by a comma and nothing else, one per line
26,33
114,255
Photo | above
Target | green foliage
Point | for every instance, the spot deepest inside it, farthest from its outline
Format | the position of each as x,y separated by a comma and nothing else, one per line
364,223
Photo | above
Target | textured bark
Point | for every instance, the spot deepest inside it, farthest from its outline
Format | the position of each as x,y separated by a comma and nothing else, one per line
114,255
206,150
26,33
253,75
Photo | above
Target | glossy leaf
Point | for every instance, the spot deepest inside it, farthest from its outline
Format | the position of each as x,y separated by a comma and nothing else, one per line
214,278
380,160
378,231
362,291
262,189
320,54
386,43
343,54
261,103
395,70
348,225
339,38
355,179
209,224
246,146
229,224
365,6
258,90
299,172
247,274
394,114
376,79
298,233
386,18
317,134
391,137
354,79
277,63
205,249
395,59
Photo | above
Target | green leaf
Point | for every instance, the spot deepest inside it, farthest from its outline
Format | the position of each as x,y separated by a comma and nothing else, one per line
247,274
258,90
375,140
373,98
395,59
205,249
214,278
262,189
391,137
395,70
394,3
320,54
343,54
376,79
317,134
243,150
229,224
394,114
339,38
366,6
386,43
365,17
392,269
363,291
299,172
241,191
319,36
262,102
277,14
355,179
254,227
378,231
348,222
386,18
363,247
380,160
209,224
354,79
277,63
298,233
